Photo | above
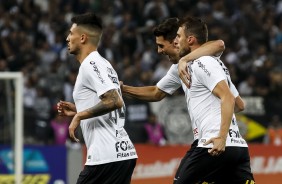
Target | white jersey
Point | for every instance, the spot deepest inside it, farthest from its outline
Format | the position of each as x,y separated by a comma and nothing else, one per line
105,138
204,107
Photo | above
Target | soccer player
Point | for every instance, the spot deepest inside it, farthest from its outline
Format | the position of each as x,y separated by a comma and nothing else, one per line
98,108
221,154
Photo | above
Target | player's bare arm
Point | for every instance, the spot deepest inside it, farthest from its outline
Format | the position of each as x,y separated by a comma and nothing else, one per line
223,92
147,93
239,104
110,101
211,48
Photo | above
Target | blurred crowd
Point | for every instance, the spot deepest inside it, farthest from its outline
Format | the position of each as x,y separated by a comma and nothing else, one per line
32,40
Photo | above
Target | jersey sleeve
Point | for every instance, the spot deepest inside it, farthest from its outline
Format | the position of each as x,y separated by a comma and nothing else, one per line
171,81
208,72
96,78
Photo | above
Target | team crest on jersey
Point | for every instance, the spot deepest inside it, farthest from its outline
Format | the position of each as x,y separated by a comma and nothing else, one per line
95,68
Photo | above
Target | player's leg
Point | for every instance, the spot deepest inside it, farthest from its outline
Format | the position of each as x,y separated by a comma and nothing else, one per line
124,176
200,167
114,172
242,173
187,155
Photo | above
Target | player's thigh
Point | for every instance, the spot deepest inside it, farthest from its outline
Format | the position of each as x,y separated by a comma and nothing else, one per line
200,167
238,170
115,172
242,173
186,156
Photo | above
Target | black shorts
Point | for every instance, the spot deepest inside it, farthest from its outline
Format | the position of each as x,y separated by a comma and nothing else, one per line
183,161
232,167
110,173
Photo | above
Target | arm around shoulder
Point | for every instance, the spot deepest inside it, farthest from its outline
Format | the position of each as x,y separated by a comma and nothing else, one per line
210,48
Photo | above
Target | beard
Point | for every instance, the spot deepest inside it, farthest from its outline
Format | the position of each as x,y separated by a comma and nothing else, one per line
173,59
184,52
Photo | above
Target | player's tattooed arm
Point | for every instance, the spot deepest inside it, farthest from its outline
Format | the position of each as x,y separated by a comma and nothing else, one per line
110,101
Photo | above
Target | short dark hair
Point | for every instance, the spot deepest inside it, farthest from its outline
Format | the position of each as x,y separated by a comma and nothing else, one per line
167,28
196,27
88,19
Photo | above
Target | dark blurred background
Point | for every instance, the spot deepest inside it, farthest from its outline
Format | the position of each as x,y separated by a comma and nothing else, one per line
32,40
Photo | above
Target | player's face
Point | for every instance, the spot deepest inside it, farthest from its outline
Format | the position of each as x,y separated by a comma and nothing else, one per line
73,40
167,48
181,42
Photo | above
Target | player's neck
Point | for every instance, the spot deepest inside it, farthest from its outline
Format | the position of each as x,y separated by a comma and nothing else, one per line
85,52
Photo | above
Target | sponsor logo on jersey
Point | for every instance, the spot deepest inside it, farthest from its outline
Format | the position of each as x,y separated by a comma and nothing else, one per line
111,71
203,67
234,133
122,155
123,146
238,141
112,75
95,68
113,79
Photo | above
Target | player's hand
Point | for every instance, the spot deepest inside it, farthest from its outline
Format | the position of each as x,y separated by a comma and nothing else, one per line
218,145
74,124
183,72
66,108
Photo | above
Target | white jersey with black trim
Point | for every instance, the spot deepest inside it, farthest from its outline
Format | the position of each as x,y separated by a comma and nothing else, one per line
204,107
105,138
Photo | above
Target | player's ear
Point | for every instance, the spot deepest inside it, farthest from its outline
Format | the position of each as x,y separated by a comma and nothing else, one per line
83,38
190,39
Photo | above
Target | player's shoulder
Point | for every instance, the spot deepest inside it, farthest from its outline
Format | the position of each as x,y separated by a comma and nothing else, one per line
205,63
94,62
205,59
173,69
209,61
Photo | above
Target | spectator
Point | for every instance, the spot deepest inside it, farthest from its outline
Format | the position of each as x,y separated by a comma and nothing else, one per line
246,87
60,125
155,131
